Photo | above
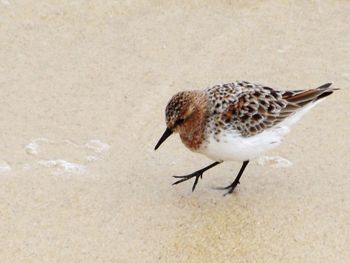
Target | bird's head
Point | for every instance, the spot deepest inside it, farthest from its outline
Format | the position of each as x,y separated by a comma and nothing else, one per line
179,112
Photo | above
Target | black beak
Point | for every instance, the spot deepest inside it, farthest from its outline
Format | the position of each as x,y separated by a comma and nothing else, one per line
165,135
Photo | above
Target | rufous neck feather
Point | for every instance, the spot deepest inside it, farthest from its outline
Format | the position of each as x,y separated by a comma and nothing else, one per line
192,130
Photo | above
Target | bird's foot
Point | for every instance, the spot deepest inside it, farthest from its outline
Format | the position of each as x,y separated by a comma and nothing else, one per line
230,188
184,178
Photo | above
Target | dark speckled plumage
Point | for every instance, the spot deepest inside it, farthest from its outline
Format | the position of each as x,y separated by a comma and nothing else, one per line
250,108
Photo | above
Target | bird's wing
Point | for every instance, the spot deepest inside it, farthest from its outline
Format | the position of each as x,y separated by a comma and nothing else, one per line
259,107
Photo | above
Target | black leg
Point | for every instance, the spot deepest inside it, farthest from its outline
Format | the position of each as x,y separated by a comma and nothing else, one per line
196,174
232,186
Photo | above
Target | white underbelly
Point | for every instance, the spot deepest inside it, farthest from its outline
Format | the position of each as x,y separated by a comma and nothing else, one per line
233,147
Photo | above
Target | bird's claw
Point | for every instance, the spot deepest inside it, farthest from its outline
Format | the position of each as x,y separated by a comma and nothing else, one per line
230,188
187,177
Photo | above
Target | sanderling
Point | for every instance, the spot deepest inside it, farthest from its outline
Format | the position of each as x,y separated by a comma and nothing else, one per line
235,121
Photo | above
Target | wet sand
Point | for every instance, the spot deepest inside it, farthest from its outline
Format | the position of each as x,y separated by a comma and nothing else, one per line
80,75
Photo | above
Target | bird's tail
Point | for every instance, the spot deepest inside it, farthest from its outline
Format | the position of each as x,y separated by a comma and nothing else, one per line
304,97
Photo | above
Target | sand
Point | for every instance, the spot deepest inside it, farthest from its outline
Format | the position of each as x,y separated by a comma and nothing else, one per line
83,89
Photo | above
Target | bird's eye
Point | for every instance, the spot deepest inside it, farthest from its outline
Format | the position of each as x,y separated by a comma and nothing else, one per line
179,121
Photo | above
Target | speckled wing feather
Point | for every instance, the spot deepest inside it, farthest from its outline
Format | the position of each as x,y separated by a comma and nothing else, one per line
251,108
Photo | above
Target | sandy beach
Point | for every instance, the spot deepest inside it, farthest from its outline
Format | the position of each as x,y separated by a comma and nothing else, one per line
84,85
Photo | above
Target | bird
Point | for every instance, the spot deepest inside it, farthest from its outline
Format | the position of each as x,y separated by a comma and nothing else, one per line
237,121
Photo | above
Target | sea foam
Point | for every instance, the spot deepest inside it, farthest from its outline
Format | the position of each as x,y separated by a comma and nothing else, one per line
274,161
